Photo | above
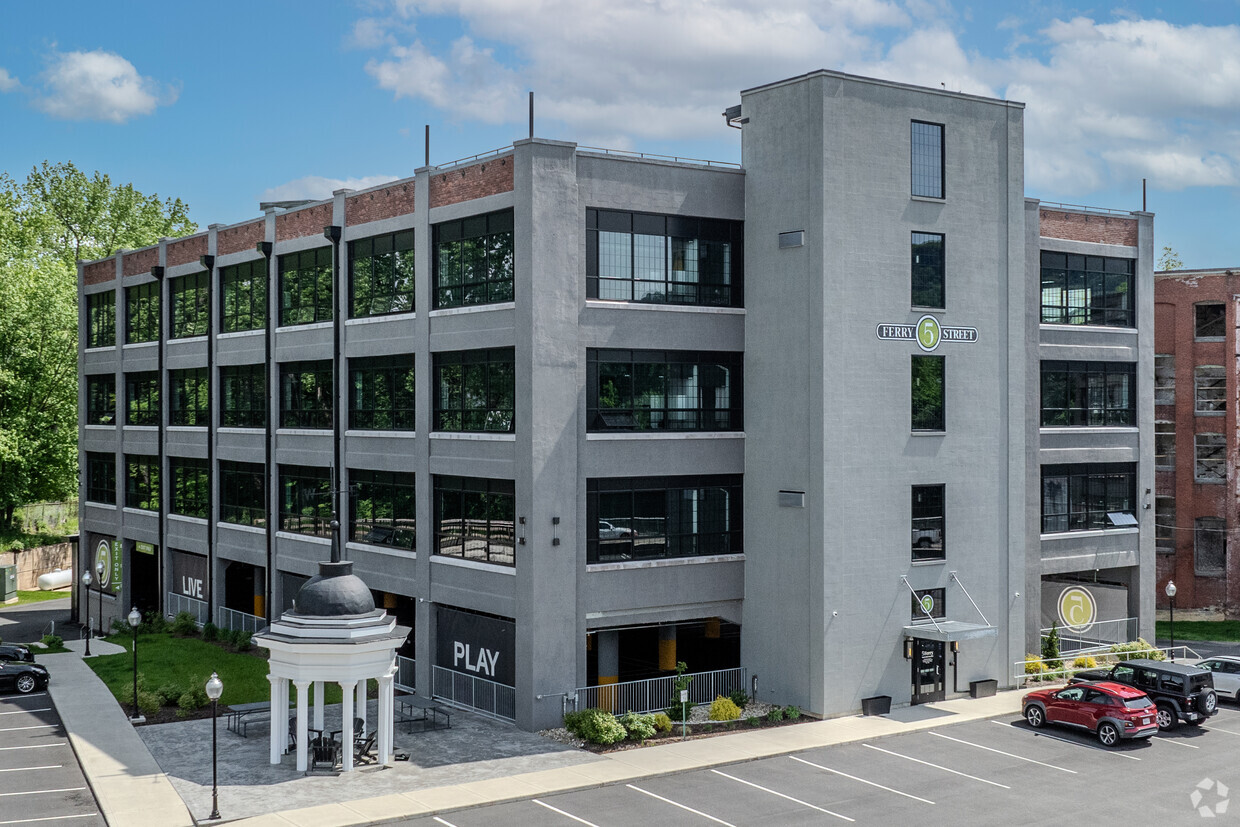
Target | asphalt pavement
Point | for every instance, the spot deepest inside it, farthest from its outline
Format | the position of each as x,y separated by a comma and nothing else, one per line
31,621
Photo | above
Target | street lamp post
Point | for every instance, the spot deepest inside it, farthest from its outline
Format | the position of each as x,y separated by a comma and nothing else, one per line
134,619
215,688
86,581
1170,590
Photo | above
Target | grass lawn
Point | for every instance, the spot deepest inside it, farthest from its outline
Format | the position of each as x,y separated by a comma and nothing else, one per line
39,596
1219,630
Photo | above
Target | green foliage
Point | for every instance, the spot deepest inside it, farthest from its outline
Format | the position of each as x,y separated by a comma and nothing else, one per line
662,723
1050,648
153,623
639,727
245,642
54,642
678,711
1136,649
1085,662
170,693
1169,260
1220,630
791,713
184,625
723,709
740,697
210,632
775,715
753,720
596,726
1034,665
193,698
229,636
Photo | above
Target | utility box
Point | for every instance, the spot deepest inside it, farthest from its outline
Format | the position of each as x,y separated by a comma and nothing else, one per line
8,584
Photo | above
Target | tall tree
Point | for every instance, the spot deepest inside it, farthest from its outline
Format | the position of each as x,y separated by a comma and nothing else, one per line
49,222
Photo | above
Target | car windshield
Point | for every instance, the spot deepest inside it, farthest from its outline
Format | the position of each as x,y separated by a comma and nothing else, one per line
1138,703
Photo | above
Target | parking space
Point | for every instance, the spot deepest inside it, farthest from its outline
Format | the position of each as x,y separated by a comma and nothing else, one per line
40,779
977,773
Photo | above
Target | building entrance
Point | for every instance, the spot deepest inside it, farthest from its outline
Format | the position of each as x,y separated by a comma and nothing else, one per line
144,577
928,671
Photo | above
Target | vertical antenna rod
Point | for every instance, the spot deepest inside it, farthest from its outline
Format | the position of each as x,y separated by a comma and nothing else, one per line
531,113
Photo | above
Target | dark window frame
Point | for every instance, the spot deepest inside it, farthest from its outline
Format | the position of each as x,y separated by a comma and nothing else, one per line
188,397
243,493
1209,390
1209,455
388,379
190,491
305,282
624,515
243,396
1087,493
305,500
101,399
929,522
1164,379
927,414
383,508
927,159
1164,445
473,261
1097,291
101,319
1209,315
243,296
487,507
1085,394
142,482
378,287
189,305
613,368
495,368
1209,530
142,313
101,478
939,609
302,383
142,398
1164,524
928,274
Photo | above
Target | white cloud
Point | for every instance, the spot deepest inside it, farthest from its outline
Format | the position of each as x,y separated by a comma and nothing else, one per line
318,188
7,82
98,86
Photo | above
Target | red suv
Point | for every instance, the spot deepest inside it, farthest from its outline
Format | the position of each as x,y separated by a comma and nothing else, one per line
1111,710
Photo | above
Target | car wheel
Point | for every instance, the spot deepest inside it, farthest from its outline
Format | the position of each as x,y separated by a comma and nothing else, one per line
1167,719
1207,702
1035,716
1108,734
26,684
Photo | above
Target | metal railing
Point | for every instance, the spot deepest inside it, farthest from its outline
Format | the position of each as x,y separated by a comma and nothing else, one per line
405,673
657,694
242,622
178,603
1084,208
495,700
1103,656
1099,634
655,157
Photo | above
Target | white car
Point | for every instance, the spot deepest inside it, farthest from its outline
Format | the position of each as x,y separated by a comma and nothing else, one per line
607,531
1226,669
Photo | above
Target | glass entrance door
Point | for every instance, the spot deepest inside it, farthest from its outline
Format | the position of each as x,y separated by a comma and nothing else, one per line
928,671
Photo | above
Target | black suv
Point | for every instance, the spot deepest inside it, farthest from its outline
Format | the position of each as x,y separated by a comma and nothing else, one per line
15,652
1181,693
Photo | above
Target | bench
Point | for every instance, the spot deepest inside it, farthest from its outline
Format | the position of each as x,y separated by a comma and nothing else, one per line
240,716
414,709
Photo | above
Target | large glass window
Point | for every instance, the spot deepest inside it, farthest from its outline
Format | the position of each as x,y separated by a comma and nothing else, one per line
473,260
1084,394
1164,379
244,296
929,603
1164,524
1210,319
647,518
927,159
244,396
306,286
188,389
671,390
928,523
142,313
306,395
664,259
928,389
1088,290
381,274
191,486
101,319
929,270
382,508
101,399
1164,445
243,493
142,482
474,390
1209,545
1209,389
474,519
306,500
1080,497
142,398
101,478
190,302
1210,458
381,393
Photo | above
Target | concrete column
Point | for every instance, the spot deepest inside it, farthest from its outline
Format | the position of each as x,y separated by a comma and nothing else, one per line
608,643
385,717
318,705
279,718
277,733
667,648
361,705
302,722
347,691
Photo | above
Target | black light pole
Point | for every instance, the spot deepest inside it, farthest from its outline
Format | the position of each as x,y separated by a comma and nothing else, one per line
86,581
99,574
215,688
1170,590
134,619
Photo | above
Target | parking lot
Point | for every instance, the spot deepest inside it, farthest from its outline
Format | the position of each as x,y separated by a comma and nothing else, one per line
40,780
988,772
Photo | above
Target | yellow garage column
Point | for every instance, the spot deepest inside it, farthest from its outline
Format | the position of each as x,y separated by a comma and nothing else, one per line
608,668
667,648
712,628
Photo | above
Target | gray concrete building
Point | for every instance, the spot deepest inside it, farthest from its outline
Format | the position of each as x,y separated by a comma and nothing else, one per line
582,415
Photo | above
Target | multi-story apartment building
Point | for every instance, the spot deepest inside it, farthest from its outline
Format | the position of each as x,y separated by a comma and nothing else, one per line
1195,438
589,414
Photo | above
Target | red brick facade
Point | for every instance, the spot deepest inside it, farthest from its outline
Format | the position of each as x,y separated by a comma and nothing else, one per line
243,237
1099,229
99,272
377,204
301,223
141,262
488,177
186,250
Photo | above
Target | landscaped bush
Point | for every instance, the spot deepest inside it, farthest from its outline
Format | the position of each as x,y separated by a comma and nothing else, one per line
1085,662
639,727
662,723
184,625
596,726
740,697
753,720
1138,648
245,642
193,698
1050,649
775,715
210,632
53,641
722,709
792,712
153,623
170,693
1034,667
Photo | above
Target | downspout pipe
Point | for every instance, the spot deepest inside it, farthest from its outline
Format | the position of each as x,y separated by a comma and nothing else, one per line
334,233
165,311
266,248
208,262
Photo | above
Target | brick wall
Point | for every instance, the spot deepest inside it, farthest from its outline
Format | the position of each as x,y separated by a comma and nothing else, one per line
1100,229
309,221
140,262
385,203
467,183
99,272
186,250
238,239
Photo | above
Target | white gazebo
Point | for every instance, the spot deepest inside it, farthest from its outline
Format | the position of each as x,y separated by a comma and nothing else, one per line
333,634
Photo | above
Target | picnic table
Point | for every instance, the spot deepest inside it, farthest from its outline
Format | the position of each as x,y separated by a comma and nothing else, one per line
241,715
414,709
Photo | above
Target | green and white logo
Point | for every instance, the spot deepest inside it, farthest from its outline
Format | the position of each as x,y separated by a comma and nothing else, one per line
927,604
928,333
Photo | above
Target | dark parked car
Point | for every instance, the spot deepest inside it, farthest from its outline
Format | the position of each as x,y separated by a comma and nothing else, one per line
1181,693
1110,710
23,677
15,651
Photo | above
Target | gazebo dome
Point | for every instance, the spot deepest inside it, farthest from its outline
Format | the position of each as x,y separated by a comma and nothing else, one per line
334,592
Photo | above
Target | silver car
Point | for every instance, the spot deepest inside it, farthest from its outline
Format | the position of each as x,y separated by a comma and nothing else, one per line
1226,669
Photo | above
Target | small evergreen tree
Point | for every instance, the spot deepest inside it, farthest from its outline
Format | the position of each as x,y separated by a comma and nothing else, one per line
1050,648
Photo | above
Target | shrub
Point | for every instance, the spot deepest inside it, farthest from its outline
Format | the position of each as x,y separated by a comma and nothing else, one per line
740,697
775,715
1086,662
753,720
1050,648
245,641
572,721
791,713
153,623
722,709
662,723
184,625
53,641
597,726
170,693
148,702
1138,648
193,698
1034,665
678,711
639,727
210,632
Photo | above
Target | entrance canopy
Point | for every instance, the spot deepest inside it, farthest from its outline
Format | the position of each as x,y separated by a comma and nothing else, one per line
946,631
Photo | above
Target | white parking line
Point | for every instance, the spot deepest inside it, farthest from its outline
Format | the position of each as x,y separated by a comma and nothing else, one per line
50,818
681,806
781,795
937,766
862,780
1177,743
561,812
43,792
1217,729
1038,734
37,746
20,711
28,769
20,728
437,818
32,695
1001,752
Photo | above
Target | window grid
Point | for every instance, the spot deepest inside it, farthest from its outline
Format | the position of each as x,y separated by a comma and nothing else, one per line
142,398
1164,524
190,301
142,482
1209,389
475,390
928,391
243,493
1210,452
306,394
1088,394
640,390
1088,290
473,260
191,486
243,304
382,508
474,519
1209,546
929,270
306,286
243,400
929,537
381,275
305,500
927,159
1210,319
101,478
188,391
1164,445
1079,497
101,399
1164,379
649,518
101,319
142,313
381,394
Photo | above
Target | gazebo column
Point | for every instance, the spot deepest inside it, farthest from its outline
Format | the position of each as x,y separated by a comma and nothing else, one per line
302,733
361,713
318,706
346,724
278,734
385,717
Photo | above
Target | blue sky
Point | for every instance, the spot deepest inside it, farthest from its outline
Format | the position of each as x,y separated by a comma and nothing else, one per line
229,103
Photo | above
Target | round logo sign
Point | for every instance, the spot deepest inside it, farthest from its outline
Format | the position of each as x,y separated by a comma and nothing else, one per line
103,563
927,604
928,333
1077,610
